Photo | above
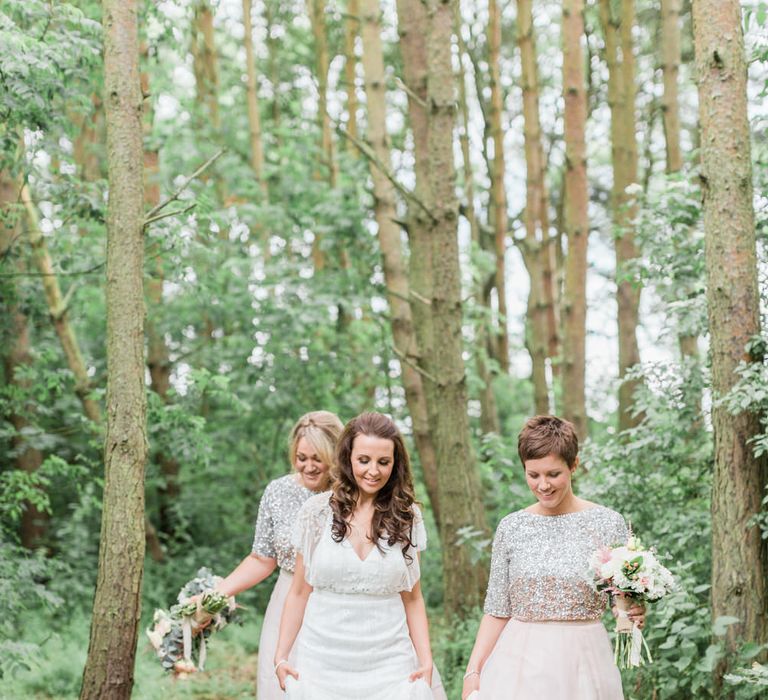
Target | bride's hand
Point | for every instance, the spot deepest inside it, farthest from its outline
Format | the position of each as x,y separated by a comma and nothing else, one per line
424,672
471,684
283,671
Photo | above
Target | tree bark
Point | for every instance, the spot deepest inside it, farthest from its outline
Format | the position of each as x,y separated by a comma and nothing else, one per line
16,356
619,52
539,248
254,115
498,190
205,62
58,309
739,558
385,209
117,603
575,217
489,415
351,30
158,360
436,279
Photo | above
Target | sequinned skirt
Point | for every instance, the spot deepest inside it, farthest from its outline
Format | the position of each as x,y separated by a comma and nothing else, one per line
356,647
267,687
551,661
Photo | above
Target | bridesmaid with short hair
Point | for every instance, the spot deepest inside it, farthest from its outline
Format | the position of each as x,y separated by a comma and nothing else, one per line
541,636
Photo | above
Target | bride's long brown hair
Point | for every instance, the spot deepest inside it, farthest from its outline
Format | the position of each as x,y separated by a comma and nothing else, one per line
393,504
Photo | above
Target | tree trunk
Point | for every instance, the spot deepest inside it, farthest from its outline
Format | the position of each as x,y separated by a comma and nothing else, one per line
58,309
272,67
385,209
86,146
617,23
158,361
15,357
539,247
498,191
351,30
575,217
489,415
205,62
739,561
117,603
254,116
435,277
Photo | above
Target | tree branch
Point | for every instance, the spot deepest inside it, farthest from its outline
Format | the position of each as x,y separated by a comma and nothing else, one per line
176,212
151,213
411,363
371,156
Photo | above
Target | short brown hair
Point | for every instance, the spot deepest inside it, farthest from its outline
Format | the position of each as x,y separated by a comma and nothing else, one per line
548,435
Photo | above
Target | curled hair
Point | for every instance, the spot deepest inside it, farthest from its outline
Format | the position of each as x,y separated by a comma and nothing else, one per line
393,504
321,429
548,435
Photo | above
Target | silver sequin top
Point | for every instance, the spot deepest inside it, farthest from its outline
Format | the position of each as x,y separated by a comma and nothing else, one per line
279,506
539,564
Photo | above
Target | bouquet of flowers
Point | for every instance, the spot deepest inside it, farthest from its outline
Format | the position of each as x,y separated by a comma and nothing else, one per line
631,575
178,635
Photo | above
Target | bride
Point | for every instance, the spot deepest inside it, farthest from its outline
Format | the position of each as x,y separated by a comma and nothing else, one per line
356,595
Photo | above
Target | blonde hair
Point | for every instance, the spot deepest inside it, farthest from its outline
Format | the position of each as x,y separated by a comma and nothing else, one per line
322,430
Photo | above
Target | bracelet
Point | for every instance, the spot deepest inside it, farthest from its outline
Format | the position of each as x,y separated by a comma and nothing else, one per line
280,663
473,672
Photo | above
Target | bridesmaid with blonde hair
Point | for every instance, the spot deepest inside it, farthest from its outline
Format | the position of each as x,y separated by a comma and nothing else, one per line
312,444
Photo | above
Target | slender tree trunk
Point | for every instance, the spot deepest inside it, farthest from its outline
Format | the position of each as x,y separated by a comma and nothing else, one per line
351,30
489,415
576,217
254,115
739,557
498,191
436,279
272,68
86,146
316,10
158,361
15,357
385,209
670,110
117,603
619,51
540,250
58,309
205,62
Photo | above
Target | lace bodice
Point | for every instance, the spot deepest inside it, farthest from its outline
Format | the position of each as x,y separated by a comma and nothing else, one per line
277,514
539,564
336,567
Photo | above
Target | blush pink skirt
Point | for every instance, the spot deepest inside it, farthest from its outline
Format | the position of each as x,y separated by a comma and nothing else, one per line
549,661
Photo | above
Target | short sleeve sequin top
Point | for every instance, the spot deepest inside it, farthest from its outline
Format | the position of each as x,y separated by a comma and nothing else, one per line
539,564
279,506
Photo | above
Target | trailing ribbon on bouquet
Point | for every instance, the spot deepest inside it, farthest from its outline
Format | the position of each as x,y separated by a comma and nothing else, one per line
633,576
179,635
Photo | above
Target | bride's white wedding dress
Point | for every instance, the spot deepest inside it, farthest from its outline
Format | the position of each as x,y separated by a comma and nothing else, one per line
354,642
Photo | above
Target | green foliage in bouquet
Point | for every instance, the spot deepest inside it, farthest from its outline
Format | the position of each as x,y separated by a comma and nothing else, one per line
179,635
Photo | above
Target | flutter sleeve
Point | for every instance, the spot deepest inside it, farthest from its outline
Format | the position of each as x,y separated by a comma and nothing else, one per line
419,539
311,519
264,537
497,601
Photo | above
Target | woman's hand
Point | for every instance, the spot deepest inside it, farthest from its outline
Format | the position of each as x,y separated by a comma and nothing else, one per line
471,684
283,670
424,672
636,614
